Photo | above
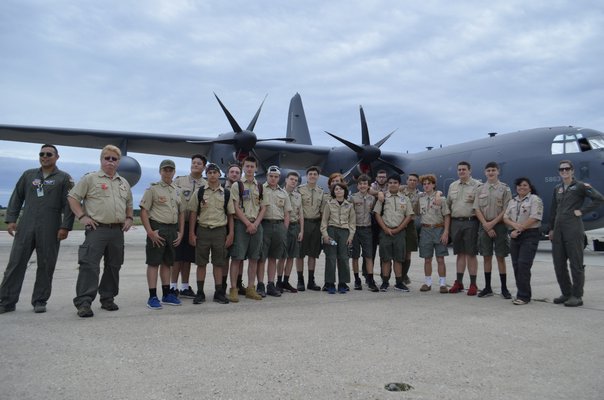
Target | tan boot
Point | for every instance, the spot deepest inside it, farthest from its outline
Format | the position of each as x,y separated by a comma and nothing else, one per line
233,295
250,293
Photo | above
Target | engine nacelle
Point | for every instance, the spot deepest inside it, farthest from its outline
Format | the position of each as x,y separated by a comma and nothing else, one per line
130,169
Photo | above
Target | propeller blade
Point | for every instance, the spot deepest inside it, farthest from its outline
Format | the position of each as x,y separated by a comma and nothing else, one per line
234,124
356,148
347,173
286,139
381,142
394,167
364,129
253,121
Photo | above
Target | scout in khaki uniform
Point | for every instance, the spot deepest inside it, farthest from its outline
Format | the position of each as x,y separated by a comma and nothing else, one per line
312,202
185,253
338,225
249,212
490,203
523,216
393,215
412,192
295,232
107,214
233,177
363,203
274,230
567,232
464,226
162,215
44,192
214,233
435,221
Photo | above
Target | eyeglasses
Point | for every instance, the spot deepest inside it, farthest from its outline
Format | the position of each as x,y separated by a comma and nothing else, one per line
274,169
46,154
564,169
109,158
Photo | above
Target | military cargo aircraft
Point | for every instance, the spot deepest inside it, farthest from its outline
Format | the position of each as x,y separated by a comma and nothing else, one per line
532,153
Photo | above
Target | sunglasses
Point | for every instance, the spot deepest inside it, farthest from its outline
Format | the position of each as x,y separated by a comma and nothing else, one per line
564,169
46,154
109,158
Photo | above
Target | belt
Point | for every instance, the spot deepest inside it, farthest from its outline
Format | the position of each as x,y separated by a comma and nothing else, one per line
273,221
209,227
162,223
252,220
363,227
433,225
463,218
312,219
110,226
294,223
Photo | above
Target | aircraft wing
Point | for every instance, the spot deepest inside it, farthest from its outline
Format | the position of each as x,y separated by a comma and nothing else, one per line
149,143
290,155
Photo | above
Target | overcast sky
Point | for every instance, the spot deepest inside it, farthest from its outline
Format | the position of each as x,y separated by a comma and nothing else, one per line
441,72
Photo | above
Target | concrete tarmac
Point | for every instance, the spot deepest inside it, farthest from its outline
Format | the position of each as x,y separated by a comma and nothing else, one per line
305,345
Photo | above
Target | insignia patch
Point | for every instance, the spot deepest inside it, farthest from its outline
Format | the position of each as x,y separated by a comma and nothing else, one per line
36,182
587,185
49,182
561,190
104,186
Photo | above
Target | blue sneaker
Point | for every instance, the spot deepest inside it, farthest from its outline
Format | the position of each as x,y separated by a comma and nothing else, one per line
154,303
342,289
331,289
170,300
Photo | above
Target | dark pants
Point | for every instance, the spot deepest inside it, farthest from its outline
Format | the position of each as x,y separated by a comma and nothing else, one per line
568,245
44,241
337,254
107,243
523,250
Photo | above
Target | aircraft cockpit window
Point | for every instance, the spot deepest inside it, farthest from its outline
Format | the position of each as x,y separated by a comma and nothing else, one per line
596,142
563,144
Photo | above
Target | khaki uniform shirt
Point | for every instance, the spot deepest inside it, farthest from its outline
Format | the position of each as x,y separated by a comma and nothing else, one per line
295,199
339,216
413,196
277,203
312,201
363,206
492,199
163,203
211,210
431,213
378,188
251,199
396,208
519,210
105,199
186,186
460,198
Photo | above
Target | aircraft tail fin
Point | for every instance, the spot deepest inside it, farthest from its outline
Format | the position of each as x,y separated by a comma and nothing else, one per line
297,127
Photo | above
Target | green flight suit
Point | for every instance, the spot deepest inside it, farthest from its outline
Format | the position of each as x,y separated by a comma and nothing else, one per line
45,211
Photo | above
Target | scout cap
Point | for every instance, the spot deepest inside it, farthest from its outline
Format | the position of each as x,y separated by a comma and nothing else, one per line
212,167
167,163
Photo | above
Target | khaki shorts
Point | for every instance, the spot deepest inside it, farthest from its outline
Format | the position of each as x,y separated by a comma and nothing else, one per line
292,245
246,246
166,253
274,236
464,235
392,247
363,240
311,242
211,241
501,242
429,243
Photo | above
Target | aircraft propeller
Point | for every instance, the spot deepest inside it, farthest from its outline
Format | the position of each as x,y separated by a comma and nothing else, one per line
243,140
366,153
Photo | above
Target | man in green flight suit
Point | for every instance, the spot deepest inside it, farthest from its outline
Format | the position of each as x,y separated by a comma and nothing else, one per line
46,221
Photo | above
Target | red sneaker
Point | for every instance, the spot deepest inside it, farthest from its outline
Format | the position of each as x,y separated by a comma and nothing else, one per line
472,290
457,287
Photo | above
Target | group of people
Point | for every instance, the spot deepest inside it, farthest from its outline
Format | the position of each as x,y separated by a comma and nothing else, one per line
192,219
